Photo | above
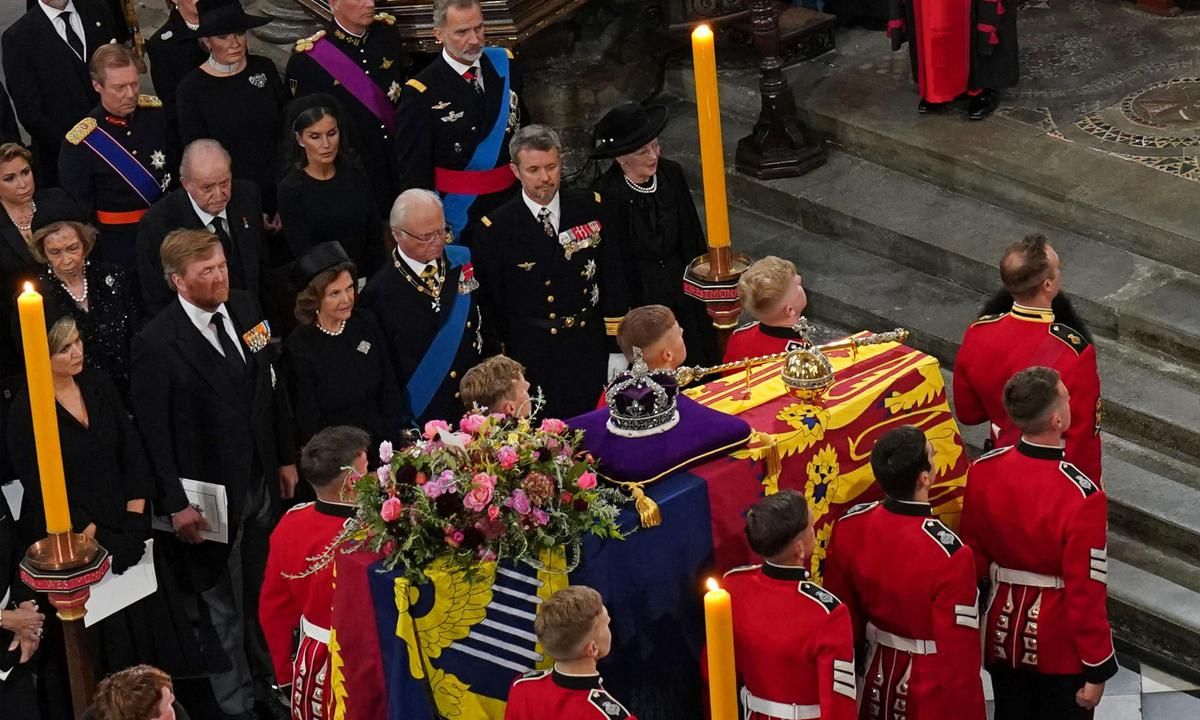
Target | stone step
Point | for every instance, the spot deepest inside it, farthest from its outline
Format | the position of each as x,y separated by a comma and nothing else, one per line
1148,400
1153,498
926,227
1153,618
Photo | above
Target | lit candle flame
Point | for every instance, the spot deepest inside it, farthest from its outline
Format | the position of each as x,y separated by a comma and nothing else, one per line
712,585
28,287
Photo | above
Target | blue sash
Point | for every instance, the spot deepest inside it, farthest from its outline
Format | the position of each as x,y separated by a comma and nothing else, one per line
456,206
434,366
124,164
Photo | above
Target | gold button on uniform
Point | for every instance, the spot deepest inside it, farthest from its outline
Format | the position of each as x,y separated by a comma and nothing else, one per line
549,298
457,395
547,283
553,331
453,374
553,316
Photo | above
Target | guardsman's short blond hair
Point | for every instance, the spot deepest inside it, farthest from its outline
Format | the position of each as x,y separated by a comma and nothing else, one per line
765,284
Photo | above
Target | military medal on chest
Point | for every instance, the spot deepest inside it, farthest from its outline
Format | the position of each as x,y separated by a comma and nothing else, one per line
580,237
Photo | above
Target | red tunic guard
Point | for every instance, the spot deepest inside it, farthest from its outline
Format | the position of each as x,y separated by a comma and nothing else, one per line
996,347
803,668
1038,528
545,694
909,583
756,340
288,602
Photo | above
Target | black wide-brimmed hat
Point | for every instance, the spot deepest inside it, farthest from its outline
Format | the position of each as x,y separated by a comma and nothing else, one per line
224,17
626,128
317,260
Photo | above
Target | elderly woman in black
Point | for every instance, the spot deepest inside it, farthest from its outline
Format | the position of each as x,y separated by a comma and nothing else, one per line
338,368
234,98
96,294
326,195
655,218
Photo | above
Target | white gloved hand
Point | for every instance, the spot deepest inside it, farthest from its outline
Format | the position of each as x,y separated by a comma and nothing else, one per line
616,365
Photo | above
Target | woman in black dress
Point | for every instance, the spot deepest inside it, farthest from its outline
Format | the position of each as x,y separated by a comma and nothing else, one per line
234,98
337,363
96,294
326,195
652,212
108,483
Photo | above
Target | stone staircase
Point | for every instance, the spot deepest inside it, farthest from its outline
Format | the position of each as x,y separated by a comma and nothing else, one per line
904,226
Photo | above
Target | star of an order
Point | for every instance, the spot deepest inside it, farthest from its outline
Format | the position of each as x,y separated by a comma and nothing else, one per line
393,92
158,159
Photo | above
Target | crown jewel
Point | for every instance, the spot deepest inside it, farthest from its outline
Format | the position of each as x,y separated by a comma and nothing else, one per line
641,402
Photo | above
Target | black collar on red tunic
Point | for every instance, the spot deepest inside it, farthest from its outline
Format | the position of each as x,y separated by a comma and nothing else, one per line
1041,452
784,572
787,333
335,509
576,682
908,507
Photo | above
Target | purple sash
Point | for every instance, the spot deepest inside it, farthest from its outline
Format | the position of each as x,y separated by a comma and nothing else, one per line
356,82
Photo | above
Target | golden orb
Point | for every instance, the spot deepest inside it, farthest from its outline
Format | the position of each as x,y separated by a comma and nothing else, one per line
807,373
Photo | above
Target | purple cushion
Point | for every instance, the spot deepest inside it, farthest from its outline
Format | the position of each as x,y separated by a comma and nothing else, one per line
700,434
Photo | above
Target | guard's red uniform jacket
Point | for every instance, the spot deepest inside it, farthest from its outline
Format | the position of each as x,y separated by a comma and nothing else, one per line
909,583
756,340
545,694
1038,527
793,644
996,347
304,602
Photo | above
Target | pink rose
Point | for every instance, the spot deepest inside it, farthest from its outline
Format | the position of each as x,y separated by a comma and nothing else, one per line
554,426
454,537
432,427
385,451
520,502
390,512
485,554
586,481
493,512
384,473
540,517
478,498
507,457
471,423
442,484
484,479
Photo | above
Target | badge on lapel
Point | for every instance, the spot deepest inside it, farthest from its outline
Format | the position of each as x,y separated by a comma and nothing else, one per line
257,337
364,347
454,116
580,237
466,280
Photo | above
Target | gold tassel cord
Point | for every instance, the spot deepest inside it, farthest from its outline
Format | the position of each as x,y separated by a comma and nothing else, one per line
648,511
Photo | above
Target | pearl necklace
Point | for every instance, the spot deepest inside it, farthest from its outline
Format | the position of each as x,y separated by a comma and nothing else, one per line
222,67
82,298
332,333
25,227
643,190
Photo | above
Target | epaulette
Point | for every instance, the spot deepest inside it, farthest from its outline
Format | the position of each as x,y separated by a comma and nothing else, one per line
741,569
486,222
532,675
82,129
1085,484
416,84
824,598
306,44
858,509
384,17
983,319
1075,340
607,704
510,54
299,506
597,196
612,325
942,535
149,101
997,452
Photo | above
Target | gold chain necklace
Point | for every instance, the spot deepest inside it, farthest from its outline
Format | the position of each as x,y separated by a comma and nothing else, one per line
430,286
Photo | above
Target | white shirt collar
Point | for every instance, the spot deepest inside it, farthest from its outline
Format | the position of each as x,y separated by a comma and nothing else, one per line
414,265
206,217
53,14
459,67
202,319
535,208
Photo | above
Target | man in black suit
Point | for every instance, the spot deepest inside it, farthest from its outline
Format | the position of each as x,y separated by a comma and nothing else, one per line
212,200
203,390
20,625
550,273
45,55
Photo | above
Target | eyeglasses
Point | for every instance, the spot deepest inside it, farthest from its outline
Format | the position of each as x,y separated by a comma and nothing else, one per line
446,235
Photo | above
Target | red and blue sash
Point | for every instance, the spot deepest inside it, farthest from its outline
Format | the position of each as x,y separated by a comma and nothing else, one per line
127,166
355,80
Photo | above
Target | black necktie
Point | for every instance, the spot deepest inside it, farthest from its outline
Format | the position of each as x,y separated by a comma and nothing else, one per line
72,39
231,351
231,260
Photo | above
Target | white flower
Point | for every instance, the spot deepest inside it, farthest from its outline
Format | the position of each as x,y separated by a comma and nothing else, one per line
385,451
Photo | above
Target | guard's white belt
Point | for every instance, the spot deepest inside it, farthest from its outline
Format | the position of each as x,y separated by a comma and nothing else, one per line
1024,577
786,711
316,632
876,636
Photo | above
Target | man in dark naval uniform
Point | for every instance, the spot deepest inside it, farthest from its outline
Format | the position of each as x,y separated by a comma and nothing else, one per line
119,159
457,116
426,303
550,270
358,58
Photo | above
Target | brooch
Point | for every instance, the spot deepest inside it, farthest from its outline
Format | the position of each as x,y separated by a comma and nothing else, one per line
364,347
109,280
258,80
168,35
467,281
257,337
